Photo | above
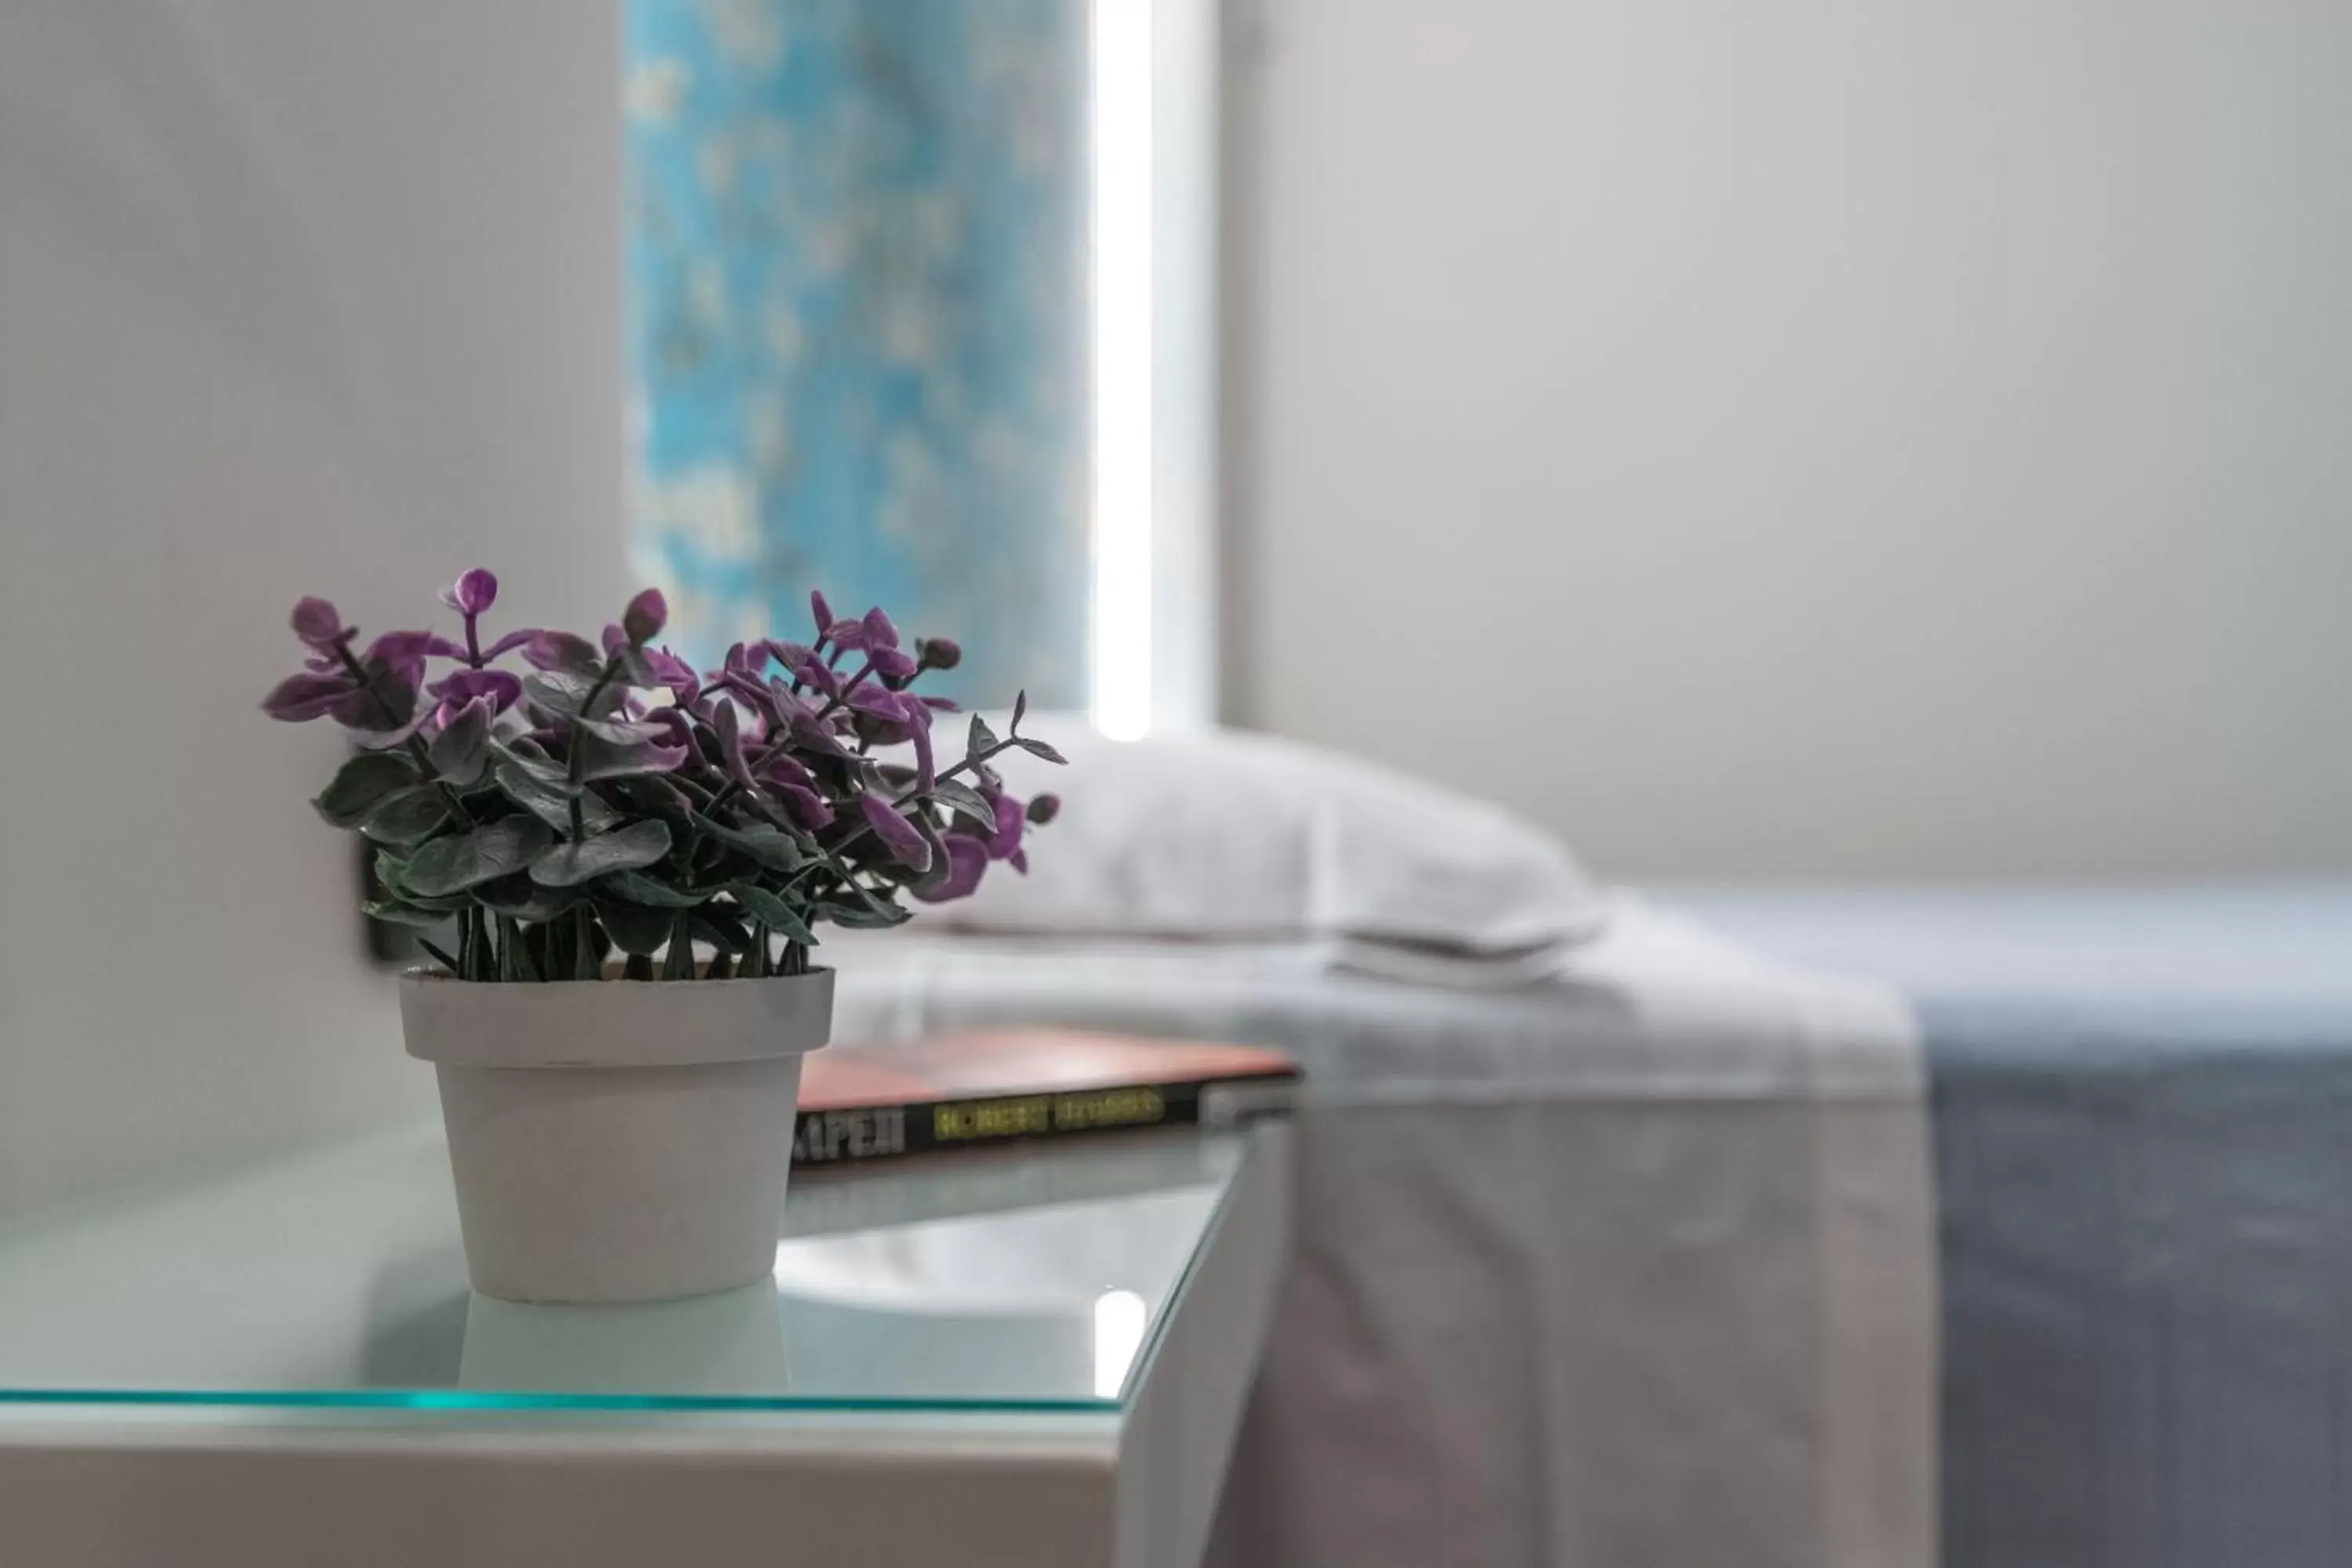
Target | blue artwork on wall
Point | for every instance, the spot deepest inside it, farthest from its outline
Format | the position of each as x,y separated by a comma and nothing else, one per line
857,323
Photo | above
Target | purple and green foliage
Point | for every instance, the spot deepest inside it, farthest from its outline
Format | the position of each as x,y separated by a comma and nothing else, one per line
611,797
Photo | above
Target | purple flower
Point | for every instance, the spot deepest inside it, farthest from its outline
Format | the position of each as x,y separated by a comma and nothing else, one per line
942,704
685,684
967,860
883,705
892,665
645,616
850,634
807,807
1006,842
821,676
919,730
726,723
817,736
822,612
460,687
319,623
385,705
472,594
879,632
305,695
403,653
908,847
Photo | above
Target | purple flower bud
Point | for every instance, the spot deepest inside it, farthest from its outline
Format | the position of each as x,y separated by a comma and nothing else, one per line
318,623
1006,840
892,665
908,847
879,632
305,695
967,861
1044,809
821,611
645,616
472,594
939,653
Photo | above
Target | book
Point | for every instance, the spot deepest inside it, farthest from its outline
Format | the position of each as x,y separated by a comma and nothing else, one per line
999,1085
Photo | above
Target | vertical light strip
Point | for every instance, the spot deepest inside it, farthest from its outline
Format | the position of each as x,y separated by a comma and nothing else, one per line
1123,175
1121,1319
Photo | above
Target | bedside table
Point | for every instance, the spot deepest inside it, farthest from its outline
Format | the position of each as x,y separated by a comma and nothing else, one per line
1031,1356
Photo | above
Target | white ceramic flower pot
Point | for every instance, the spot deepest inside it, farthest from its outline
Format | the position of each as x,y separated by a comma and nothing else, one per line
618,1140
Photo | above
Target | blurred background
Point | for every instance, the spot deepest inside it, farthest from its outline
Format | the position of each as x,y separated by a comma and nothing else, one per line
1868,443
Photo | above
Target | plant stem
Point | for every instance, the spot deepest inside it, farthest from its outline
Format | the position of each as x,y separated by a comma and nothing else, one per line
416,746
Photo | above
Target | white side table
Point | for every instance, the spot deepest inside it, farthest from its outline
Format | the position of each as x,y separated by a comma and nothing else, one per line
1030,1357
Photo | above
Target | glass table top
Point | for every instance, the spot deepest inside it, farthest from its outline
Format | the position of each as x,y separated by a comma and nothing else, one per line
1024,1278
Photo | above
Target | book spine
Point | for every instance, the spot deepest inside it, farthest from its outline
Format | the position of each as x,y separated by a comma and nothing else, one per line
894,1132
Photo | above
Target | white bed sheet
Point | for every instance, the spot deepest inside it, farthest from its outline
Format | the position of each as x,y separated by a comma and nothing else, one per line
1633,1266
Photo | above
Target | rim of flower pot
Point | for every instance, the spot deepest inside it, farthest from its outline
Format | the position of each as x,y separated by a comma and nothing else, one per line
584,1023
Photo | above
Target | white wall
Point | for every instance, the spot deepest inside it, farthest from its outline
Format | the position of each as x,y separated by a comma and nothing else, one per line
1864,437
294,297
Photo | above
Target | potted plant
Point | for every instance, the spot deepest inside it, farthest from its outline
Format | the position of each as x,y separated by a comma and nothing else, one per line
635,857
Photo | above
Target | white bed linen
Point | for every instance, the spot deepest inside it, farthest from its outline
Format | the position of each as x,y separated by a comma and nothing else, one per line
1635,1265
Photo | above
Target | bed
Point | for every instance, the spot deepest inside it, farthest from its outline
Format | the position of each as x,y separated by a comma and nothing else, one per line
1571,1254
2142,1130
1813,1226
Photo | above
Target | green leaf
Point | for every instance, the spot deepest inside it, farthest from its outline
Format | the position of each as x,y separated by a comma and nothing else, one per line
462,750
402,914
635,931
723,931
549,800
564,693
636,888
623,849
771,911
678,963
935,875
465,861
439,957
967,803
771,847
520,897
1040,750
982,738
602,758
652,794
363,784
874,916
408,816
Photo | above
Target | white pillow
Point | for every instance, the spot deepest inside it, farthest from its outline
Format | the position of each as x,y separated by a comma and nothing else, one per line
1226,835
